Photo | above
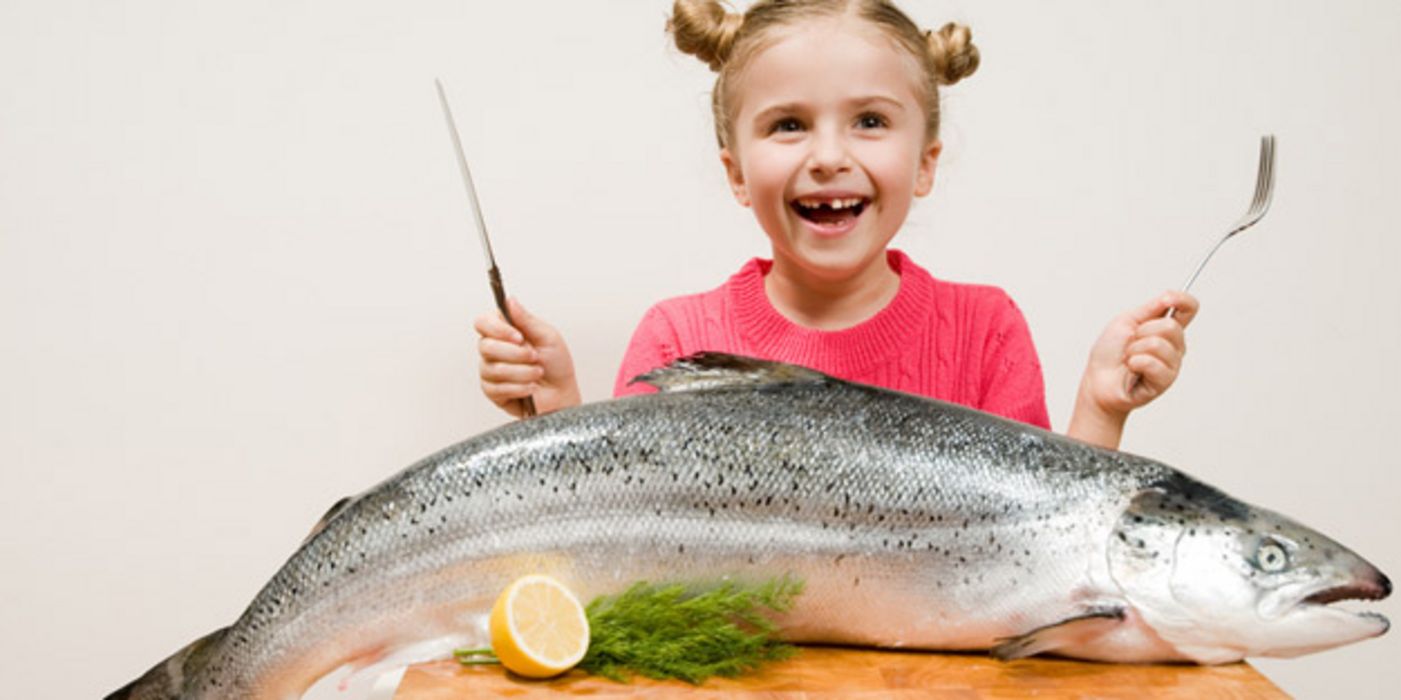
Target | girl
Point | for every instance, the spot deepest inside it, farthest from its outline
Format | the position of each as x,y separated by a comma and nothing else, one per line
827,116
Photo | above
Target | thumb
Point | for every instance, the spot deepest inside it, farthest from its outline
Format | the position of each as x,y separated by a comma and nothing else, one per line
1155,308
531,326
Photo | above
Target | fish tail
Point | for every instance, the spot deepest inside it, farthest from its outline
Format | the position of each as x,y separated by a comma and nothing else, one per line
167,679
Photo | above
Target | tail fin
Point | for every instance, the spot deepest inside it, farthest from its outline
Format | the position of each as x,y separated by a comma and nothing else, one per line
167,679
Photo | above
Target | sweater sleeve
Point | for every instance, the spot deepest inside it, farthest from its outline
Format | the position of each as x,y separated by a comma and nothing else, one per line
1012,384
653,345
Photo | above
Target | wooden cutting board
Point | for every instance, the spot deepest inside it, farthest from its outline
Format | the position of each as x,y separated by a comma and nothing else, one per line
833,672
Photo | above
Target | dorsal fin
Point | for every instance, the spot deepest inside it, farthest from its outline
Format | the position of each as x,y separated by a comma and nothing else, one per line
325,520
707,370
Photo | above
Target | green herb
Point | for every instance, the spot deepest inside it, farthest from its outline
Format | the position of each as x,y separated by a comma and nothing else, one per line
475,657
670,632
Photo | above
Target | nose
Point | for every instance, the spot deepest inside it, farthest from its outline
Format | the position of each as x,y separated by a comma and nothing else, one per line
829,154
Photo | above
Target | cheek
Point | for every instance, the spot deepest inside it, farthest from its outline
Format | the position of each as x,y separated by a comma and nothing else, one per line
896,172
1210,577
767,174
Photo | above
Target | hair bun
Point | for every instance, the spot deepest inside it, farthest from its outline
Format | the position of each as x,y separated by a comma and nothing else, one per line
705,29
952,50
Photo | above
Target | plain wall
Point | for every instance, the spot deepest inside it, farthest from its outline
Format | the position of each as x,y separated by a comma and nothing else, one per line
237,272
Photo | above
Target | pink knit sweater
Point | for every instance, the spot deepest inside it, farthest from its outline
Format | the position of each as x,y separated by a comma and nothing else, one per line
957,342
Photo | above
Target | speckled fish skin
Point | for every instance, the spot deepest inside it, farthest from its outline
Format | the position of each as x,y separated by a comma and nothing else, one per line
912,522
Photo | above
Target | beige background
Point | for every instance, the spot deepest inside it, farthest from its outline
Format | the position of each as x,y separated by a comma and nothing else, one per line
237,277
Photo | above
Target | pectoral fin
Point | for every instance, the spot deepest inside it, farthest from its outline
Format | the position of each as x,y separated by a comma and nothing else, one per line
1057,635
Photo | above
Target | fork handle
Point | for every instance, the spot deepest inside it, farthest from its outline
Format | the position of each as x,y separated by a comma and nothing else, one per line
1187,286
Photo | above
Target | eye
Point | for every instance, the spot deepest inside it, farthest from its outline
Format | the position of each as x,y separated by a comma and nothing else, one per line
1271,557
871,120
785,125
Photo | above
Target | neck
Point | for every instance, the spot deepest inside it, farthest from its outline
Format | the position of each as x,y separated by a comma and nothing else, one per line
830,303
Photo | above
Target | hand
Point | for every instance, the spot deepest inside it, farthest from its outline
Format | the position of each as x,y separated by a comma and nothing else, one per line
1135,360
532,361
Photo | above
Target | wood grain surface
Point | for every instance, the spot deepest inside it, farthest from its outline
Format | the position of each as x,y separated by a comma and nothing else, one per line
831,672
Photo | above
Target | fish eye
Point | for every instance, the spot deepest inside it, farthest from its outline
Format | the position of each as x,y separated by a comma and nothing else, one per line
1271,557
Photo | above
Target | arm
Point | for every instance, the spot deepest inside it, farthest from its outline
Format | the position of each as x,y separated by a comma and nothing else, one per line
532,361
1135,360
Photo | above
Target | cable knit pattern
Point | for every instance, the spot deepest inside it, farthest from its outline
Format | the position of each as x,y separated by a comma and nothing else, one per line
964,343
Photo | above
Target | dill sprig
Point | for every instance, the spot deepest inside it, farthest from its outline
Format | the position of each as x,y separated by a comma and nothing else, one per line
671,631
475,657
668,631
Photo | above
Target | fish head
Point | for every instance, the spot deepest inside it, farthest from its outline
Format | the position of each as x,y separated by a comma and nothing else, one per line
1221,580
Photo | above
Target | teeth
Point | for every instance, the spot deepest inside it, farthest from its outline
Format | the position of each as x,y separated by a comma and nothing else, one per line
836,203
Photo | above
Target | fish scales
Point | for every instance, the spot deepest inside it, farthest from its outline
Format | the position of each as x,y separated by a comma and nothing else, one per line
912,523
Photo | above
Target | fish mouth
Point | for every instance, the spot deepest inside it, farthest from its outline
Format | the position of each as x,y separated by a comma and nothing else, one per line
1357,590
1378,589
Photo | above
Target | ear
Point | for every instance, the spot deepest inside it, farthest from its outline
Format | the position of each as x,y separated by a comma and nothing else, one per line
928,159
736,177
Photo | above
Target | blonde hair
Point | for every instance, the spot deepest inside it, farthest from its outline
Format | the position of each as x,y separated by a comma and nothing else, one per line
727,41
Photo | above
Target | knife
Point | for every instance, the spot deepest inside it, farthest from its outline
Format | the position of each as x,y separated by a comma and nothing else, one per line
493,273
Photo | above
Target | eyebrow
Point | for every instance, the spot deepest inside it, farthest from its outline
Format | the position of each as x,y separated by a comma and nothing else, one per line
792,107
888,101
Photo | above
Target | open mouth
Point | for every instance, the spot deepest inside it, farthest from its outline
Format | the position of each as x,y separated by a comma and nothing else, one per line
830,212
1366,590
1353,591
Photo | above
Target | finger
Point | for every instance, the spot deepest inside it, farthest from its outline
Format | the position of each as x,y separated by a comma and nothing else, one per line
1156,375
536,329
1185,304
1158,307
492,325
1154,347
1166,328
493,350
1154,308
503,394
504,373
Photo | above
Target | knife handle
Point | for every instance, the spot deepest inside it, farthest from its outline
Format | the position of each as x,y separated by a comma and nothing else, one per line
498,291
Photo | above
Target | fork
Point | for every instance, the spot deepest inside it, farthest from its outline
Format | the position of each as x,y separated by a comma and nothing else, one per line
1264,191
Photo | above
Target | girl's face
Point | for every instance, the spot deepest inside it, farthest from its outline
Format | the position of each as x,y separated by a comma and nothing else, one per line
828,147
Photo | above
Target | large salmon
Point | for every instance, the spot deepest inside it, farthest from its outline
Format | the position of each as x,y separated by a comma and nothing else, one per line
913,523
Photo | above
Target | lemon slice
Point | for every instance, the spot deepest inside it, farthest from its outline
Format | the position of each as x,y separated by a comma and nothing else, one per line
538,627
